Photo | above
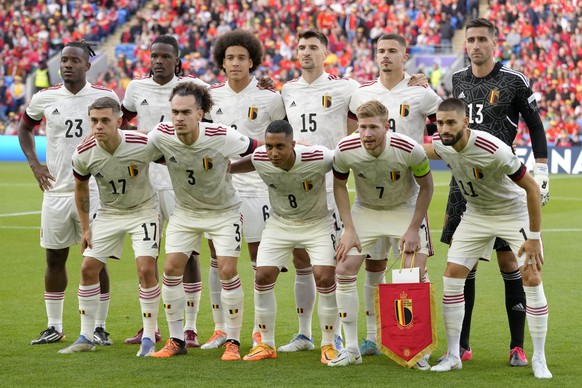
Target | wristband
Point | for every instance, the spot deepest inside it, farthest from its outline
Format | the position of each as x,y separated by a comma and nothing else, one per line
533,235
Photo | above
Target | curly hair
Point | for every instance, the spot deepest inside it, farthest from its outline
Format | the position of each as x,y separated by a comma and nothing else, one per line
241,38
199,92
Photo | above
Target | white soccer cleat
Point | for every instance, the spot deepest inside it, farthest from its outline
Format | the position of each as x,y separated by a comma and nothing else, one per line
423,364
299,342
82,344
217,339
447,364
540,369
147,348
345,358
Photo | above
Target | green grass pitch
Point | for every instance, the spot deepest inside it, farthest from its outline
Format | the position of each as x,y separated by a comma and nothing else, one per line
23,314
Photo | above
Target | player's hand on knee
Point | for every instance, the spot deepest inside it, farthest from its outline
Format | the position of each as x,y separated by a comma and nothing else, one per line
86,238
540,173
347,241
533,255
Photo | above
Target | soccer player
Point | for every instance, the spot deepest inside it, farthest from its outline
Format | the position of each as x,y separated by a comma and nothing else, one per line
295,175
119,161
147,98
67,123
241,103
408,110
197,155
495,96
492,180
317,108
393,190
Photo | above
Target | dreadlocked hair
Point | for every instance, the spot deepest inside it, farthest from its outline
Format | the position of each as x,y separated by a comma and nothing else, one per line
83,45
170,40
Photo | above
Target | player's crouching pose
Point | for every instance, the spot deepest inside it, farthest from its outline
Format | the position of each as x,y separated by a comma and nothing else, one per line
393,190
503,201
119,161
197,156
295,176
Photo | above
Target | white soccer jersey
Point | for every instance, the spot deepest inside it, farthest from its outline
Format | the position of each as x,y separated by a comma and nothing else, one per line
318,111
122,178
249,112
297,196
67,124
387,181
199,171
408,106
484,171
150,102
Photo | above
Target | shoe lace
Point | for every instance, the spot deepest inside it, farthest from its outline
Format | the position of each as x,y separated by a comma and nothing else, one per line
520,352
230,347
216,335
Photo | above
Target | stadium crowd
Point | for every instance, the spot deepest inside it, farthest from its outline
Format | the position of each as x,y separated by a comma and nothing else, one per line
542,39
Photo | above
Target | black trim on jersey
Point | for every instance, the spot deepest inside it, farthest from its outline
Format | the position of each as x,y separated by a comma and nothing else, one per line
340,175
161,160
30,121
352,116
253,145
127,115
81,177
521,171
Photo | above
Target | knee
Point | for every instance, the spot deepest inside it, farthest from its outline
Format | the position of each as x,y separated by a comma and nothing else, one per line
146,271
56,259
263,276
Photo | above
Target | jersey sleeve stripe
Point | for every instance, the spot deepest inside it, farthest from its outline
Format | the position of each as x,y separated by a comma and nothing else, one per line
30,121
127,114
86,146
518,174
165,129
136,141
349,144
81,177
253,144
486,145
340,175
401,144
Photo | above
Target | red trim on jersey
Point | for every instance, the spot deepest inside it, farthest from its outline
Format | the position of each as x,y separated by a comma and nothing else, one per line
30,121
340,175
261,156
55,87
141,77
349,144
161,160
352,116
309,156
99,87
254,144
521,171
215,131
188,76
369,83
486,145
216,86
136,138
86,146
81,177
401,144
164,128
269,89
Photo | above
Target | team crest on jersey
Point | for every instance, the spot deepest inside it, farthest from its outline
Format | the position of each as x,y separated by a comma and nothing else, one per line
326,101
307,185
394,175
403,312
253,113
207,163
132,170
494,96
404,110
478,174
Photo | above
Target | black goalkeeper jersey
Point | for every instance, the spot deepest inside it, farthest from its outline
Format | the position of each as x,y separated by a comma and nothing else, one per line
495,101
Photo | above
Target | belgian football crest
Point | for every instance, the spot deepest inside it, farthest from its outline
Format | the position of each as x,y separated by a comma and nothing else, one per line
132,170
207,163
478,174
404,110
252,113
394,175
326,101
494,96
403,311
307,185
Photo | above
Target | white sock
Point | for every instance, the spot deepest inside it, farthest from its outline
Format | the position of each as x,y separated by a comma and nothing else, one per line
305,299
327,313
54,302
536,312
193,292
149,300
348,306
266,312
453,312
215,289
88,305
102,310
370,285
233,301
174,298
